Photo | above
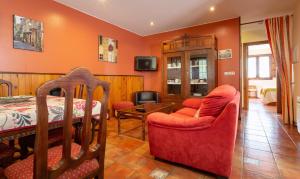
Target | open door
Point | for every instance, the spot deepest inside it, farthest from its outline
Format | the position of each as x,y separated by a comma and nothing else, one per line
260,75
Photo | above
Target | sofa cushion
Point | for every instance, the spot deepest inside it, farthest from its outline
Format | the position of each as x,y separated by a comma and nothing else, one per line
214,103
192,103
187,111
180,115
178,121
122,105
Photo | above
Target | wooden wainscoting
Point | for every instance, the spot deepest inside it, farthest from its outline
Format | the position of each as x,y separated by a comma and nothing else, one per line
121,86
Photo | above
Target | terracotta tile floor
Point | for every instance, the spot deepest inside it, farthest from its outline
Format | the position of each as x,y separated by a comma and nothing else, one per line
265,148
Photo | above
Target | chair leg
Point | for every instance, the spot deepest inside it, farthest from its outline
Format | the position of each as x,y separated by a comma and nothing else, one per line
100,174
78,130
93,130
2,176
12,143
113,112
24,148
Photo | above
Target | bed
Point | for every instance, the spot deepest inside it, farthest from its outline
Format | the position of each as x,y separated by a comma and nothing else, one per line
268,95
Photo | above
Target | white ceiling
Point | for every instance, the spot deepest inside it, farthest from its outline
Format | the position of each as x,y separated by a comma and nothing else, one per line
136,15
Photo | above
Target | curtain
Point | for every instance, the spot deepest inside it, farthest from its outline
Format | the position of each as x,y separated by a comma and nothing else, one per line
279,31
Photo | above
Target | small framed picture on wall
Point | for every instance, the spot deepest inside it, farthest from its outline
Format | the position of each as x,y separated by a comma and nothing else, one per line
225,54
108,49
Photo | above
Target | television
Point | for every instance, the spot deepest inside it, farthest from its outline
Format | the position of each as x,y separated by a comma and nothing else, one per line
145,63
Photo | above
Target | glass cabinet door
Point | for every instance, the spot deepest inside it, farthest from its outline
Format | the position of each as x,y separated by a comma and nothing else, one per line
174,69
198,75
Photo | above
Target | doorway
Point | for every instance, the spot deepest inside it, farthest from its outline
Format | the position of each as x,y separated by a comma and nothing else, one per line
260,75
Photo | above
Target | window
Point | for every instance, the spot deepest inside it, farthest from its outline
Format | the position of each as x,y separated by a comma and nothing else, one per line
259,61
264,64
252,71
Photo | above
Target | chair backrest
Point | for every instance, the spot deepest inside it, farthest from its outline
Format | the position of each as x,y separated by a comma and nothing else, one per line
9,86
78,92
68,83
56,92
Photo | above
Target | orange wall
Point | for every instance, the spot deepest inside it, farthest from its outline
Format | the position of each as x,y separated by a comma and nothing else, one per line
70,40
228,36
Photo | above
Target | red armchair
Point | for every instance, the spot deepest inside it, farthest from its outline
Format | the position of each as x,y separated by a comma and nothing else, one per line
205,142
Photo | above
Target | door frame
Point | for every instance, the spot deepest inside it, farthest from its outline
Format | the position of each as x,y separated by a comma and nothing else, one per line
245,71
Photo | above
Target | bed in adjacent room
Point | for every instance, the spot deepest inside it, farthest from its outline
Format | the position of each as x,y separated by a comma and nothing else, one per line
268,95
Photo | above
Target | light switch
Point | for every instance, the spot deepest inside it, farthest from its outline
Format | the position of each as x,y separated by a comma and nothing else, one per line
229,73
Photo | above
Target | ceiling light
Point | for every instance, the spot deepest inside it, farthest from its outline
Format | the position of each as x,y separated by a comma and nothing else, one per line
151,23
212,8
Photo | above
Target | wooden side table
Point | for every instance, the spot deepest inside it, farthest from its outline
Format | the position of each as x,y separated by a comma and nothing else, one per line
136,112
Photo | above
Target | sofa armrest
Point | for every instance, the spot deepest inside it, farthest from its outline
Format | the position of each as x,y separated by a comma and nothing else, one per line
189,123
194,103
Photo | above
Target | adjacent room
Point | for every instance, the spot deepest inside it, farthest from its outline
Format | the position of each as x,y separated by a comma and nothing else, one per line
141,89
260,70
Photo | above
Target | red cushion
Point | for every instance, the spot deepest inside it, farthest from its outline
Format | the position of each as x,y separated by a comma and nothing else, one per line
178,121
214,103
192,103
178,115
123,105
187,111
24,168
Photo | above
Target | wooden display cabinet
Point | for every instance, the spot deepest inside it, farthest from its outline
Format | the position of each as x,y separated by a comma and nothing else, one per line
189,67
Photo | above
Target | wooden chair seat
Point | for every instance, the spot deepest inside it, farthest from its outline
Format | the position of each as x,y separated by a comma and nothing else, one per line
24,168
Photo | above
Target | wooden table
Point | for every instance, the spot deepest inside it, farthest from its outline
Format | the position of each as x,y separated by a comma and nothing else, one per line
19,119
142,115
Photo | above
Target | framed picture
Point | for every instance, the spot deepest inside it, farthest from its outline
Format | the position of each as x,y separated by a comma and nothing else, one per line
225,54
108,49
28,34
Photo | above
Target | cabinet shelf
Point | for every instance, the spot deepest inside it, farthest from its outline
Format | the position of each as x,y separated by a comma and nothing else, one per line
198,83
192,65
174,83
173,67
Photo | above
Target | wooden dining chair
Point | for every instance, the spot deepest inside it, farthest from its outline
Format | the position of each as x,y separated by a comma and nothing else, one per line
78,93
79,90
69,160
7,151
9,86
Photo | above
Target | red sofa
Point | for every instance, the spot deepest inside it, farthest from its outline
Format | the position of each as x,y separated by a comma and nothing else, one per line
205,142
